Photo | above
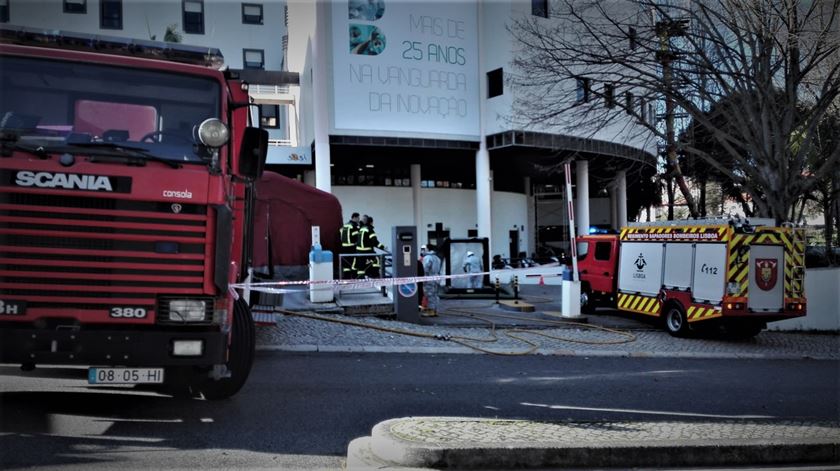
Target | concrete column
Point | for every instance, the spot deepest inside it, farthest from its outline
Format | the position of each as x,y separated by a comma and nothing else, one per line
309,177
613,207
483,191
418,201
320,79
531,228
621,197
483,177
582,206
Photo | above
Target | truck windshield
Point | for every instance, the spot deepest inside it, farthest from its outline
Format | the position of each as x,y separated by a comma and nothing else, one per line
74,105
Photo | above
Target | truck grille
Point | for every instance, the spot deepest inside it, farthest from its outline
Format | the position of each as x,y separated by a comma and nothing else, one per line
94,253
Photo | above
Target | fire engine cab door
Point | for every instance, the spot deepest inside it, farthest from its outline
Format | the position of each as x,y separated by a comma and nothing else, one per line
767,278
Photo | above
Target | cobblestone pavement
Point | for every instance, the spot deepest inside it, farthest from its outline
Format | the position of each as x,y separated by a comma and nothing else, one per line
443,431
303,334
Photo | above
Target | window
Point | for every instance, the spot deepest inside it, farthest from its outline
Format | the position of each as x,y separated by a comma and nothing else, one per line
4,11
632,37
495,83
609,95
253,59
539,8
582,250
75,6
583,89
269,116
652,113
252,13
628,102
110,14
602,250
193,16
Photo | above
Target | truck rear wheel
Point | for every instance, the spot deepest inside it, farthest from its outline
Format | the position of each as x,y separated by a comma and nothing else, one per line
675,321
240,356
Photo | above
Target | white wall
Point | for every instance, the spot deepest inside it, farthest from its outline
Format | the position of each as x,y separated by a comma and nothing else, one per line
455,208
500,50
223,27
821,290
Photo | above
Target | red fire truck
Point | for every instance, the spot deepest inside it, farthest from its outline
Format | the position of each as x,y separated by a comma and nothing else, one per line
697,273
125,176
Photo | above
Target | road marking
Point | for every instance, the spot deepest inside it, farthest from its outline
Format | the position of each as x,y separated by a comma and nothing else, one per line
648,412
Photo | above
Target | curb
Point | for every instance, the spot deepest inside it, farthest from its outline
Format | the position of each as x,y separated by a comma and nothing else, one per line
316,348
390,450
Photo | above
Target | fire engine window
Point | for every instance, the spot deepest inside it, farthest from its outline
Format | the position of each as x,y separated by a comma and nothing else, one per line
252,14
4,11
602,251
194,16
253,59
110,14
54,102
75,6
582,250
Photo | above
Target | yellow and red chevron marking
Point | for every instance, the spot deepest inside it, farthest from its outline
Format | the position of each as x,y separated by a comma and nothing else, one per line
676,233
699,312
648,305
793,242
739,263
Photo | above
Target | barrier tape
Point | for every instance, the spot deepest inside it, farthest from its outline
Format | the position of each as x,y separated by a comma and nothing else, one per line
277,287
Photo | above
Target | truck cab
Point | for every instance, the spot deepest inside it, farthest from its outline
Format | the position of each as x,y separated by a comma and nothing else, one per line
124,199
597,266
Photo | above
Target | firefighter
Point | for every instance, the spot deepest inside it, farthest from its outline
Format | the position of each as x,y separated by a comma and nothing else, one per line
349,233
368,264
431,267
472,264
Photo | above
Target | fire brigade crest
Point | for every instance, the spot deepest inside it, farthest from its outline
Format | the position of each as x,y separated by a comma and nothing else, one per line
766,273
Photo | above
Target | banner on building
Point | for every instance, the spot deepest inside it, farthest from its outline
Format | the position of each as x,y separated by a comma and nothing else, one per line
405,67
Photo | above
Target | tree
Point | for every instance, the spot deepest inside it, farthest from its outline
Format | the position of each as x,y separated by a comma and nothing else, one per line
172,35
775,63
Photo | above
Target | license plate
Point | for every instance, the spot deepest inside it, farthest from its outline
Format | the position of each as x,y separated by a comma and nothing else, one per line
125,375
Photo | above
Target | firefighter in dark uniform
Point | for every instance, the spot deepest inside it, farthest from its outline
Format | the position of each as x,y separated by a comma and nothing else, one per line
368,266
349,233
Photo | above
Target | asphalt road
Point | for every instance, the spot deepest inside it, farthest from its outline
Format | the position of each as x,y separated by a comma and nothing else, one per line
299,411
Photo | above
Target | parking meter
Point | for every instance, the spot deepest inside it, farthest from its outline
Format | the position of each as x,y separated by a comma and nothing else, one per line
404,264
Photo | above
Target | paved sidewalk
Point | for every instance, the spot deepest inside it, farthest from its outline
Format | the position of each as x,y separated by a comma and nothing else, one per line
310,335
470,443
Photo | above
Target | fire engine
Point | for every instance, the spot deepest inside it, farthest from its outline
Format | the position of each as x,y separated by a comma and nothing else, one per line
697,273
125,196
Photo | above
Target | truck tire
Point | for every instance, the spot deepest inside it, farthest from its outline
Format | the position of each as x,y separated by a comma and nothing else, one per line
675,321
587,302
240,356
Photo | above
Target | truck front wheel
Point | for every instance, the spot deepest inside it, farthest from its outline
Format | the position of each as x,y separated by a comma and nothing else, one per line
587,303
240,356
675,321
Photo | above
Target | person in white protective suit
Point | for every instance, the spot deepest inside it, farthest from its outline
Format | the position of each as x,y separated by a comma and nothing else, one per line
472,264
431,267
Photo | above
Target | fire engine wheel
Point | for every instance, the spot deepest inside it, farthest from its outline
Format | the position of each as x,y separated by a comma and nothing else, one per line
587,304
240,356
675,321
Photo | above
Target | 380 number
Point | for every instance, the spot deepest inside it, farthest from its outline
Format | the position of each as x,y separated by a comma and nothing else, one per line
128,312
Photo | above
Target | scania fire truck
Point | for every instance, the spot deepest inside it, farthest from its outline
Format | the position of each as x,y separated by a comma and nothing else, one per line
696,273
125,176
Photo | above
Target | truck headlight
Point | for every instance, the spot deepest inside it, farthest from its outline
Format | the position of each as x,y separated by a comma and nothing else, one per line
187,310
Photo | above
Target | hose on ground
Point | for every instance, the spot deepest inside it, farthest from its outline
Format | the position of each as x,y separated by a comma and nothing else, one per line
469,342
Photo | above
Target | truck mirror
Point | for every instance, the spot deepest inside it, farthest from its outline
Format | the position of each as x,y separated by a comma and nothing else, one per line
253,152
